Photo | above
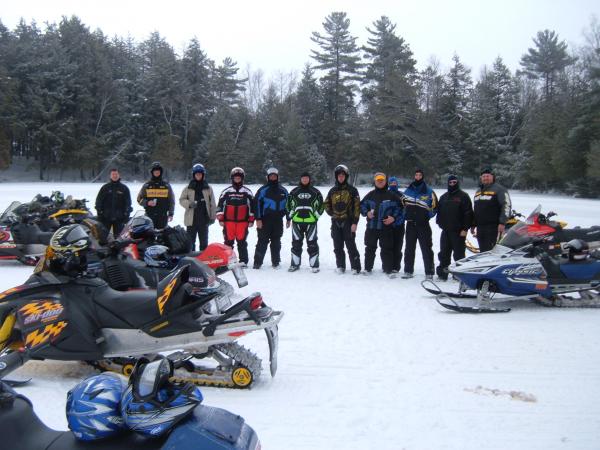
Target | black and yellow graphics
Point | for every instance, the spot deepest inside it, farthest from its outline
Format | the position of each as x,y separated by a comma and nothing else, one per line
41,336
165,295
157,193
43,311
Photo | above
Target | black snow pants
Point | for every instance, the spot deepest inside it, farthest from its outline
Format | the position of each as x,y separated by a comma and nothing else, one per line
398,234
487,235
299,232
385,237
451,242
343,235
270,232
422,233
200,230
116,226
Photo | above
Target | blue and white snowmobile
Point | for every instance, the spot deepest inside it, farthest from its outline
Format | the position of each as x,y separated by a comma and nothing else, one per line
533,273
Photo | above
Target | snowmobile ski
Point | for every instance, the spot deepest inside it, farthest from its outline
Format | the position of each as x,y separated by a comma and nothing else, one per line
475,309
438,291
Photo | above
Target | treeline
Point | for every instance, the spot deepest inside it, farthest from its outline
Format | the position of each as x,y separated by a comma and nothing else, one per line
71,98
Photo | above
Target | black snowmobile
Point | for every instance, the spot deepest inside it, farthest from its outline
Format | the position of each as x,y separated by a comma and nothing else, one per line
63,317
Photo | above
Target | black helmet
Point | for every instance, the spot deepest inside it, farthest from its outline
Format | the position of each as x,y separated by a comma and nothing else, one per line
237,171
156,166
68,249
341,169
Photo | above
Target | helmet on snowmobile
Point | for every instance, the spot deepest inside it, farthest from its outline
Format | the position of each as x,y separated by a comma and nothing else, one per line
68,248
341,168
151,404
237,171
93,407
141,227
198,168
578,249
157,256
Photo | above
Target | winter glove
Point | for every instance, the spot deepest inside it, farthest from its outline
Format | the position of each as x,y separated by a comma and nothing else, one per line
193,204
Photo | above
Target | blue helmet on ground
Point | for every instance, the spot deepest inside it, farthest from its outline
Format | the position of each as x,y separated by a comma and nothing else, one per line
93,407
198,168
152,404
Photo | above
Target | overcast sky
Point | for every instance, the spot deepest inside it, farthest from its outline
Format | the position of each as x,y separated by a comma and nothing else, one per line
274,35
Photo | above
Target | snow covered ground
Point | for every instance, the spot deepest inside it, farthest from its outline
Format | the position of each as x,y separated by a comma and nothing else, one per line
374,363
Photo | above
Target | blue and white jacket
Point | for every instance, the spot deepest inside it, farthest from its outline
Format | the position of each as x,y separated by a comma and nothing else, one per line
269,201
383,203
420,203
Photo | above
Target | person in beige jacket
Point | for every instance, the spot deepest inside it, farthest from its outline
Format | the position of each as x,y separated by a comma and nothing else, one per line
198,199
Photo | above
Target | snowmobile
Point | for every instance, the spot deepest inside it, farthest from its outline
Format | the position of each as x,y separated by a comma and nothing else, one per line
23,236
26,228
553,235
66,317
125,264
207,428
535,273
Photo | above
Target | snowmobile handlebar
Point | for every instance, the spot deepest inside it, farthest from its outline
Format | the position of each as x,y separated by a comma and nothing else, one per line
253,305
12,361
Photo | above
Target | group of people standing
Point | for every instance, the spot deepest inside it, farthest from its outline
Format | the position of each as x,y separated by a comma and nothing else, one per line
393,217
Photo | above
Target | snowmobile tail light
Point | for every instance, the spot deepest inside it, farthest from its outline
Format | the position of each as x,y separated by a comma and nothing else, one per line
236,333
256,303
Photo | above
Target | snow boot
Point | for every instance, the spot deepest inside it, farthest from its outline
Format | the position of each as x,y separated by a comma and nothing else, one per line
407,275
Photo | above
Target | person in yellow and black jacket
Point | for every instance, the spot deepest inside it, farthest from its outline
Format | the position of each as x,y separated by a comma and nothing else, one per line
343,205
420,205
492,208
157,198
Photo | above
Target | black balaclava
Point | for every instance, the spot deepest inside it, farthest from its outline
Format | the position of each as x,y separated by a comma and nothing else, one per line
453,187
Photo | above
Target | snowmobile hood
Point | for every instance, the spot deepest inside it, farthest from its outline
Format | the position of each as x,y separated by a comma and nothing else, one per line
498,256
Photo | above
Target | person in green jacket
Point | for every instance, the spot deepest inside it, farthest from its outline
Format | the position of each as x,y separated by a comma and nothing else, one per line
304,207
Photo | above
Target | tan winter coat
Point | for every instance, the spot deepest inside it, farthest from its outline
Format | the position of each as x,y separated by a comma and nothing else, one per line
187,197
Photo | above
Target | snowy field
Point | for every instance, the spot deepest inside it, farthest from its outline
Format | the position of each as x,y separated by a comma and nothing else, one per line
374,363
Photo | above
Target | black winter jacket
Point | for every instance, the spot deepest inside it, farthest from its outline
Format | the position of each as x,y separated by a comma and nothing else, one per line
492,205
455,211
113,202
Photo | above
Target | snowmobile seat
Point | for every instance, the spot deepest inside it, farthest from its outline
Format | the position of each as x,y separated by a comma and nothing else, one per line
118,309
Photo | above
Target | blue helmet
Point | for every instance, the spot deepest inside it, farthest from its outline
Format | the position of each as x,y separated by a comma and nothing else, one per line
141,227
151,404
198,168
157,256
93,407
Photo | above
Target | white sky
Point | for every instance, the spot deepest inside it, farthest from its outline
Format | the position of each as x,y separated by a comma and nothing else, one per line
274,35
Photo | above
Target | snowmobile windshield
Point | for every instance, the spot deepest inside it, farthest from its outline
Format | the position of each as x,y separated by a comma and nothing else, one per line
9,214
517,237
532,218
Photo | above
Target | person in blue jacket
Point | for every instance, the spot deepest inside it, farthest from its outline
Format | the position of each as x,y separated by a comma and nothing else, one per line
420,205
380,207
398,225
269,210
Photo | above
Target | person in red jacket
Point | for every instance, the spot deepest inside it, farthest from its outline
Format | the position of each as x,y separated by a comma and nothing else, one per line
235,214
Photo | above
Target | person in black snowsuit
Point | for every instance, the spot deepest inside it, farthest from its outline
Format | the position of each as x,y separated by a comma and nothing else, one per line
492,208
398,225
157,198
381,207
343,205
454,217
304,207
269,210
420,205
113,203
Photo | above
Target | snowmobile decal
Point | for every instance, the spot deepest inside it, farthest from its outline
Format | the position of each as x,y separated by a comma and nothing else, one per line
11,291
50,331
41,311
162,299
4,236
